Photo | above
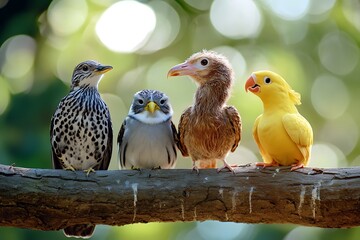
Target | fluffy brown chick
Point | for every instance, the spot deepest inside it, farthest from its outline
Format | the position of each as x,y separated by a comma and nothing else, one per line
209,129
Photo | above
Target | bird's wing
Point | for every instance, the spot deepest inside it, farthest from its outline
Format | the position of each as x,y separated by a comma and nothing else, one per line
265,155
174,133
184,120
119,142
300,132
55,159
104,165
235,120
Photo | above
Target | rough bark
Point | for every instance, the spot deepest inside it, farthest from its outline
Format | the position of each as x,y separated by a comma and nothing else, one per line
52,199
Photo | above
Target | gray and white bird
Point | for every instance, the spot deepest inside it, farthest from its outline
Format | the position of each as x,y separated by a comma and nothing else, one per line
148,137
81,131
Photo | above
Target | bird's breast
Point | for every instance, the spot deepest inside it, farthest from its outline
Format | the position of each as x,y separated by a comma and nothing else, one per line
209,137
275,140
148,145
80,133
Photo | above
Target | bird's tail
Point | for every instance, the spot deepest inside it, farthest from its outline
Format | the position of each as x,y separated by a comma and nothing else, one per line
207,164
80,230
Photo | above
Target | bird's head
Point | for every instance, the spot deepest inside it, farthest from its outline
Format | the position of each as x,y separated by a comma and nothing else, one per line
88,73
151,107
204,66
270,86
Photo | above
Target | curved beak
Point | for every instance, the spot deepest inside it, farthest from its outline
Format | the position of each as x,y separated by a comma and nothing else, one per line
101,69
182,69
251,84
152,107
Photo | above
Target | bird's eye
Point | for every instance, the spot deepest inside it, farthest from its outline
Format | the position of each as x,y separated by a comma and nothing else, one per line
267,80
140,101
85,68
204,62
162,101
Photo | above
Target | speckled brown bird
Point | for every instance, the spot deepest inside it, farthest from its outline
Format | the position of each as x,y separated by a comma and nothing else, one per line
81,130
209,129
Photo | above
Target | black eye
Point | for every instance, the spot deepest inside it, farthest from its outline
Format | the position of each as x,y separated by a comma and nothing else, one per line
162,101
267,80
140,101
204,62
85,68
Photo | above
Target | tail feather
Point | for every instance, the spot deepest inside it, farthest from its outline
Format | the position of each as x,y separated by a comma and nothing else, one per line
80,230
207,164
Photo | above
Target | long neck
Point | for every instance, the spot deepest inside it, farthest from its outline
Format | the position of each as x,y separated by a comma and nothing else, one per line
212,95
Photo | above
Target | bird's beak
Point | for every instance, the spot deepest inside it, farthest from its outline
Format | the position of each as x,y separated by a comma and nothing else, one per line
101,69
152,107
182,69
251,84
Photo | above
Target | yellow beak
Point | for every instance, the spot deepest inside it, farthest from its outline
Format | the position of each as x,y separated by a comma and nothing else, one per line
152,107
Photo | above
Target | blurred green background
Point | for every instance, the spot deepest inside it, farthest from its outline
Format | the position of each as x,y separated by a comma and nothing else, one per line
314,45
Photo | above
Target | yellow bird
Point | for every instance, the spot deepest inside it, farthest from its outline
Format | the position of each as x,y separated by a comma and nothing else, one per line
283,136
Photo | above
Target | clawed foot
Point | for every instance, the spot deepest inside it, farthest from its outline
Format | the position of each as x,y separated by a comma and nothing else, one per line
88,171
228,166
296,166
135,168
195,168
70,168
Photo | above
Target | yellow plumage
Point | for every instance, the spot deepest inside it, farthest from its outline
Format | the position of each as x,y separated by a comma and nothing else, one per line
283,136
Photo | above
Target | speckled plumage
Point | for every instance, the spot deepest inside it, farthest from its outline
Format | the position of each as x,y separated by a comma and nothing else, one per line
81,130
147,138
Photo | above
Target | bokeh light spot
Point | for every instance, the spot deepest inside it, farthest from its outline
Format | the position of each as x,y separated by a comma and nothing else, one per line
67,16
242,20
223,230
288,10
329,96
4,95
321,7
343,132
167,27
338,53
291,32
326,155
236,59
126,26
17,56
351,12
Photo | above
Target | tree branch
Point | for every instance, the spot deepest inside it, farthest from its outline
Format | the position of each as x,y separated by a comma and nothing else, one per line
52,199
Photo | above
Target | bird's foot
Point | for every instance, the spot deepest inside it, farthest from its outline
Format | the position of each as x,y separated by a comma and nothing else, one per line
11,167
88,171
156,168
264,165
296,167
228,166
136,168
70,168
195,168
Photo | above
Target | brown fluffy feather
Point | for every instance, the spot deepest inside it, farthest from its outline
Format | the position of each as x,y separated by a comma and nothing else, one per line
209,129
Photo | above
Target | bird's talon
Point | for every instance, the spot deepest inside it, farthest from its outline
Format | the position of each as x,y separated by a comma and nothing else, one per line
296,167
88,171
195,168
70,168
228,166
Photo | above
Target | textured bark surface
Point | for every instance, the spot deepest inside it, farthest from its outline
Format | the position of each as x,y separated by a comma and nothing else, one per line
52,199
